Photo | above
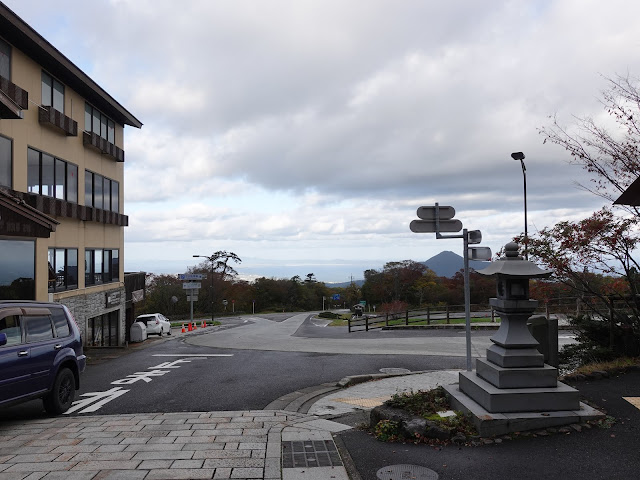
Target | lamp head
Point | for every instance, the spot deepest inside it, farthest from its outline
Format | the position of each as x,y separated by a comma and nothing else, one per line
517,156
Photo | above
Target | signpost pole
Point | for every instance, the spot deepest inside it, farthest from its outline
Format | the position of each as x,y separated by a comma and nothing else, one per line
467,297
191,302
439,219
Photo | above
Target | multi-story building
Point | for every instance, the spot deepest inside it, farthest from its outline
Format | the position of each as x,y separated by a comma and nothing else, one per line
61,184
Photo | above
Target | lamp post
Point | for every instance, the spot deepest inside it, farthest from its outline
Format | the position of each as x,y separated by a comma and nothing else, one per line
520,156
211,260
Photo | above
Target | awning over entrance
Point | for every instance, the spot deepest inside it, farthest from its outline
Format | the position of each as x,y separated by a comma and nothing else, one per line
631,196
17,219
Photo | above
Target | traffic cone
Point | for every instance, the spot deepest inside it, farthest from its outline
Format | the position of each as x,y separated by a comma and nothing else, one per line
183,328
204,323
190,329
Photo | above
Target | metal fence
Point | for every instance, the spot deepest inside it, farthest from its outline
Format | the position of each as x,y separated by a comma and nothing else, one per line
608,309
429,315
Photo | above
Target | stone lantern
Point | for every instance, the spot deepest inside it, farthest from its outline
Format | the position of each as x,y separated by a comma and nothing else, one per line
512,383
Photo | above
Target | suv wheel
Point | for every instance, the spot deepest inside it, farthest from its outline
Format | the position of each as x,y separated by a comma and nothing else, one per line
61,396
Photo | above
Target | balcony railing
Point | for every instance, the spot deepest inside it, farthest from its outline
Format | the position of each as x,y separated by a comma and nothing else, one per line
50,116
90,139
56,207
13,99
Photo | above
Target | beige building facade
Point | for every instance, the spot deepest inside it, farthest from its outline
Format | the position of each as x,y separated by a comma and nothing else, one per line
61,184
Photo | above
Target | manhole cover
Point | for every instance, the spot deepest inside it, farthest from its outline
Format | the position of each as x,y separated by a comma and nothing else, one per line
394,370
406,472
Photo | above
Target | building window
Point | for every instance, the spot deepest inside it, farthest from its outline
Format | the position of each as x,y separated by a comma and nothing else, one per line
52,92
5,60
101,192
52,177
98,123
63,269
101,266
103,330
17,275
6,161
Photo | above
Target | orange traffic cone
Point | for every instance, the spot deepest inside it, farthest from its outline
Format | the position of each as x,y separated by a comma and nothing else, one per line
190,327
204,323
183,328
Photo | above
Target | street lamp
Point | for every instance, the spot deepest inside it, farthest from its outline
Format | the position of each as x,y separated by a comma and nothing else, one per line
211,260
520,156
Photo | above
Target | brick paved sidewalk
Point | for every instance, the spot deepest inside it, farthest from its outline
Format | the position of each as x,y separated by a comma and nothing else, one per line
215,445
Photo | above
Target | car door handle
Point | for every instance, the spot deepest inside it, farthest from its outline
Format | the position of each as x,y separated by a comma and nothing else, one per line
57,347
23,353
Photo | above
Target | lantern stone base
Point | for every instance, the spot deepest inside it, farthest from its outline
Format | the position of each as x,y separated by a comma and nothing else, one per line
491,423
494,399
523,377
515,357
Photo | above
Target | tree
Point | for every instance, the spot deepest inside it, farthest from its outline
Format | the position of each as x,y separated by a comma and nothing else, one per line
612,159
223,273
583,253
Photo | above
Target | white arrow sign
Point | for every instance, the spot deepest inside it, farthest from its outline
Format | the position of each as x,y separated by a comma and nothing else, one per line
479,253
191,285
191,276
429,226
429,212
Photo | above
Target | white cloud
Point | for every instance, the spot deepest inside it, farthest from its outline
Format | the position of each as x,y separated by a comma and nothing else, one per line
314,129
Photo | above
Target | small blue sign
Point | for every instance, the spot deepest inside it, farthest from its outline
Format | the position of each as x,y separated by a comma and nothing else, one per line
336,297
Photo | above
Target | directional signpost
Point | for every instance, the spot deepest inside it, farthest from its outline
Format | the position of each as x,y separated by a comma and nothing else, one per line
429,226
191,287
437,219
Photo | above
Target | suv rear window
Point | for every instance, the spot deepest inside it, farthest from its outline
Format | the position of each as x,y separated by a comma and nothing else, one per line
60,322
37,328
10,325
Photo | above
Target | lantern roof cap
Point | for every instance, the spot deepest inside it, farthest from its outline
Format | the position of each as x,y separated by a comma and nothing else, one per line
513,265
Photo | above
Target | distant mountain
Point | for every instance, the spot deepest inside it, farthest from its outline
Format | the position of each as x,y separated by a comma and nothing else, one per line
446,264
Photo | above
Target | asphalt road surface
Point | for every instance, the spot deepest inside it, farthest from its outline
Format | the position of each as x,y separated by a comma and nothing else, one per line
251,362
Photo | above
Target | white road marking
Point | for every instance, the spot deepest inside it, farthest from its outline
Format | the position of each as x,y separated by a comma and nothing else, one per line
192,355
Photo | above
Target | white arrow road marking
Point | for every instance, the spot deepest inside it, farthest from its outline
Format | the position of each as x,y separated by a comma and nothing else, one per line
192,355
101,398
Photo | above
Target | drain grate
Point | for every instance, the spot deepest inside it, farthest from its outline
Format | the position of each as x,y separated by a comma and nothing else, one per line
406,472
310,453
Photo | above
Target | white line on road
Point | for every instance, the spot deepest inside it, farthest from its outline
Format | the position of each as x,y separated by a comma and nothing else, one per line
192,355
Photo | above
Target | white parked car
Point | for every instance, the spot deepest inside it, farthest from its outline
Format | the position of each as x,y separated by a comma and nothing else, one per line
156,323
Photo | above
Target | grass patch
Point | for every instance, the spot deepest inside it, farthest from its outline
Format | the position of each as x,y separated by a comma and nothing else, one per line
618,364
339,322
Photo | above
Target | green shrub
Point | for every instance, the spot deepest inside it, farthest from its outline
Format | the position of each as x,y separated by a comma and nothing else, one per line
593,337
387,431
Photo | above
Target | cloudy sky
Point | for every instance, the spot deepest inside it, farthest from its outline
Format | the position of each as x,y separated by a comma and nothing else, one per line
303,134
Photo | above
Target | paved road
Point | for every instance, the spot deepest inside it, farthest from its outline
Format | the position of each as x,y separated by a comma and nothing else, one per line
262,334
185,374
251,361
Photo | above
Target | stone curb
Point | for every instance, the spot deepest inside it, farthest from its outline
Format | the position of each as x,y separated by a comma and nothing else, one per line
356,379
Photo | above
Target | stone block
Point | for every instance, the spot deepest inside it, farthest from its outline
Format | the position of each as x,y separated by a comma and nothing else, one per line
514,357
518,377
493,399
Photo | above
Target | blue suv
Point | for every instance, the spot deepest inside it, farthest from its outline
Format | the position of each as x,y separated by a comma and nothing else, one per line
40,354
